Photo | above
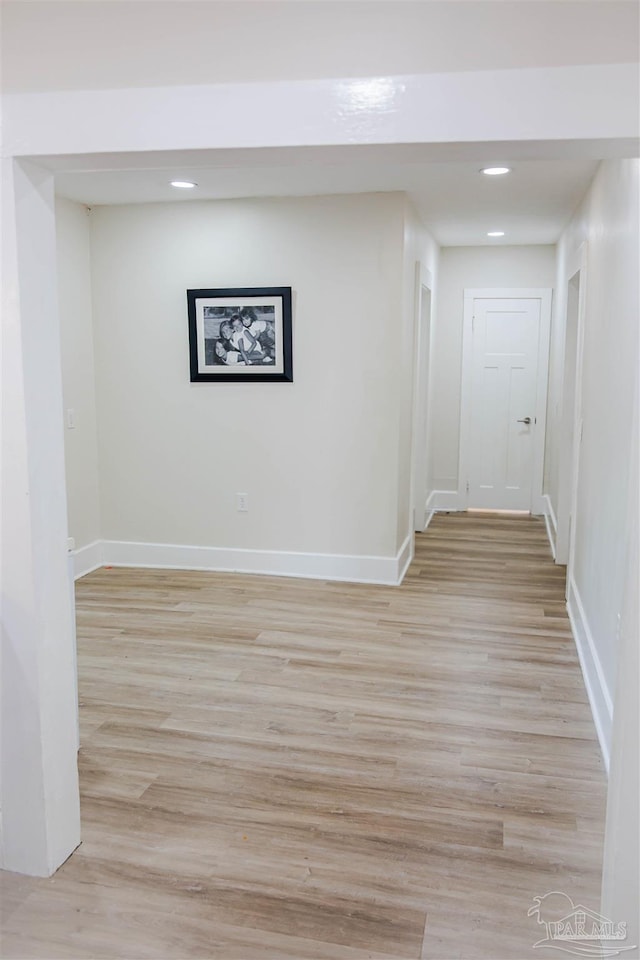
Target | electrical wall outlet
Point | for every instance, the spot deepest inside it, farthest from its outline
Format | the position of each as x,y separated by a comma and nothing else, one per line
242,502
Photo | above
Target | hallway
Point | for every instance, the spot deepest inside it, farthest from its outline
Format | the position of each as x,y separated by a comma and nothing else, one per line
276,768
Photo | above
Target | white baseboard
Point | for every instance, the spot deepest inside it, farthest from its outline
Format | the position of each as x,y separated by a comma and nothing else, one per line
320,566
429,518
592,672
442,501
550,522
86,559
429,510
539,505
405,556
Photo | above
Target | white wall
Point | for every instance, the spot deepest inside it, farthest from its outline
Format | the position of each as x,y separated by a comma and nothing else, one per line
460,268
38,733
620,887
78,379
318,458
608,221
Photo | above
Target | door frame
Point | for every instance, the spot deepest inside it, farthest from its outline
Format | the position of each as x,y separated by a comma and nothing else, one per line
571,419
544,295
421,439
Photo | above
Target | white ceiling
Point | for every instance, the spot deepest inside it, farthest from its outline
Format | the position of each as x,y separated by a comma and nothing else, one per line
102,44
68,45
456,203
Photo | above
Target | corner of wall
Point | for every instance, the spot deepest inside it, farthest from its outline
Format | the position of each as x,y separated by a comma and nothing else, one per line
73,238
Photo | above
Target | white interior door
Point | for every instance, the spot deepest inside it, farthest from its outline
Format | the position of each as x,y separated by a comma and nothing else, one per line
504,381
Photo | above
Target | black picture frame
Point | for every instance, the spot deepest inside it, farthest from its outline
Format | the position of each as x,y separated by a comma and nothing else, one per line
240,335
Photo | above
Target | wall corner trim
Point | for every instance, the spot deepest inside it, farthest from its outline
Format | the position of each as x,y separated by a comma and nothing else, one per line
429,511
388,571
550,522
592,672
405,556
87,559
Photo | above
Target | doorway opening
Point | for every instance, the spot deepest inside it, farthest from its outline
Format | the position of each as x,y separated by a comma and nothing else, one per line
421,486
571,418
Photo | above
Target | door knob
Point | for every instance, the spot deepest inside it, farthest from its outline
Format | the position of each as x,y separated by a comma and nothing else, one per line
526,420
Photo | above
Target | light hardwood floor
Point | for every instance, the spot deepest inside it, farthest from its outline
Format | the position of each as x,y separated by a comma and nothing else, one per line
291,768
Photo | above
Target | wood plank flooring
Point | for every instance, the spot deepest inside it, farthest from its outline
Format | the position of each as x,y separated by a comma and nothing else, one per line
279,768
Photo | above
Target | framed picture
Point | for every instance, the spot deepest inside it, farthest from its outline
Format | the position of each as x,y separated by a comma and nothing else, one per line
240,334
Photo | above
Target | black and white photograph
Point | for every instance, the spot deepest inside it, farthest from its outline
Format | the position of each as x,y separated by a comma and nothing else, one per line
240,334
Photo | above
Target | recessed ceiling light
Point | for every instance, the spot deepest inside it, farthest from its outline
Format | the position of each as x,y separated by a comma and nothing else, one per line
496,233
184,184
495,171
